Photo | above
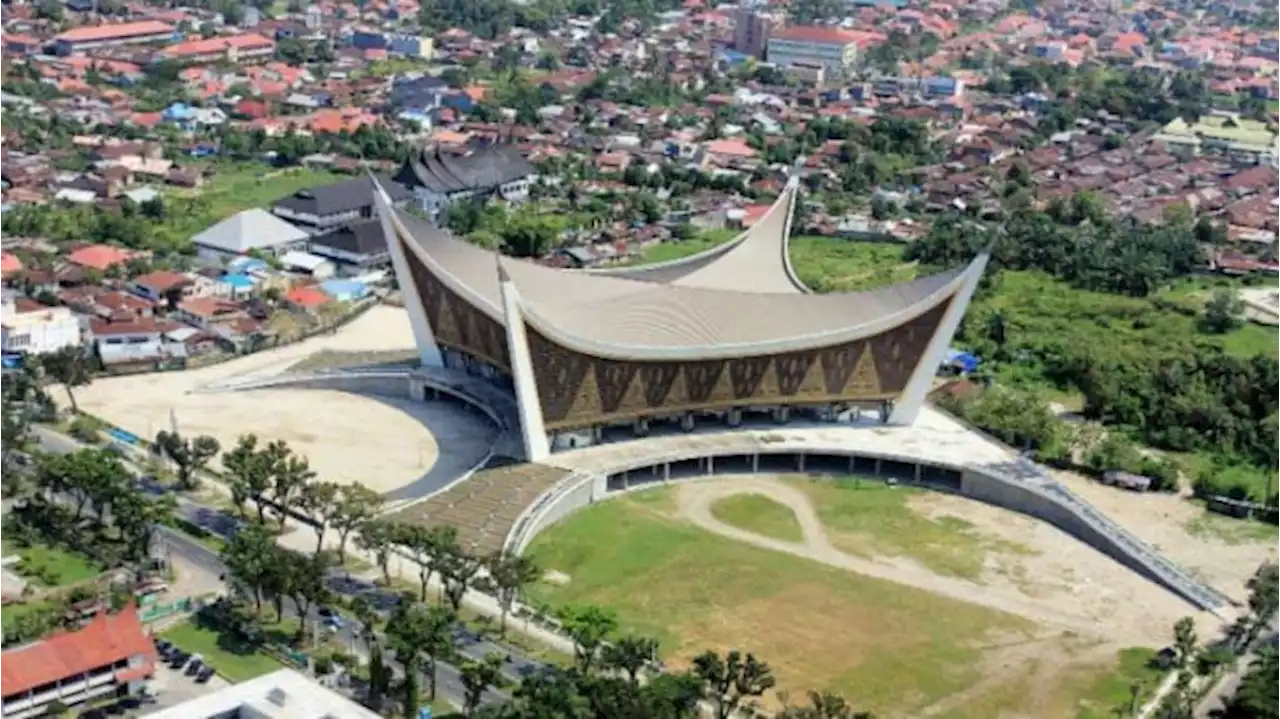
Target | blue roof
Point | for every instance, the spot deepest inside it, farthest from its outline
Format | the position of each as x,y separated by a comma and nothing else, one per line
343,288
965,360
238,281
245,264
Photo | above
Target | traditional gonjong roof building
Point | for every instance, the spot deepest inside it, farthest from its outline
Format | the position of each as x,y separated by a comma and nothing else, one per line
724,333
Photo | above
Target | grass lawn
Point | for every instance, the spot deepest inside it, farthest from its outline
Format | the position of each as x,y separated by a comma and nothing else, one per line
14,612
890,648
238,186
232,657
869,518
51,566
759,514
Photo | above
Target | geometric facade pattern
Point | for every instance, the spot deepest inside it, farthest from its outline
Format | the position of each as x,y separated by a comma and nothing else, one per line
578,390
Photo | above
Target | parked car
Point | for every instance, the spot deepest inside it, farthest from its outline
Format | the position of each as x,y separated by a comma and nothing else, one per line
205,674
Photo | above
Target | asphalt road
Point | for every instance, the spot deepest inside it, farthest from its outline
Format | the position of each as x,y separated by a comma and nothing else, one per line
449,684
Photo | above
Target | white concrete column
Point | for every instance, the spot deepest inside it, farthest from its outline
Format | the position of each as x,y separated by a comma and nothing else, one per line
800,461
666,472
423,337
533,431
909,404
755,462
711,464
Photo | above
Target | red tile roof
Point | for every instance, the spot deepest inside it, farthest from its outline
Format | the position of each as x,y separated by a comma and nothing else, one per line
99,257
219,44
308,297
114,31
9,264
815,34
105,640
162,281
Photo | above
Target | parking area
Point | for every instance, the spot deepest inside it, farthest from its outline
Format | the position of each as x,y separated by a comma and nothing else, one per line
168,688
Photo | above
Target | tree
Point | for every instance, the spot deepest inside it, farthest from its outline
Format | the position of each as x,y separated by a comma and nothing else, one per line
588,627
289,474
431,547
822,705
305,583
249,475
379,675
136,517
421,635
376,536
477,676
1256,697
1184,641
316,501
732,680
457,569
630,654
509,574
69,367
1222,312
355,505
250,556
190,455
1264,595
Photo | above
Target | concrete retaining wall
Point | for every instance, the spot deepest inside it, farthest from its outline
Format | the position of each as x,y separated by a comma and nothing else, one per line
1048,503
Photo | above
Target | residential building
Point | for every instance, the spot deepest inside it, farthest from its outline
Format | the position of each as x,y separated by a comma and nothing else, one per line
99,257
234,49
109,656
111,35
282,694
328,207
438,178
315,266
204,312
30,327
809,45
251,230
163,286
752,30
354,248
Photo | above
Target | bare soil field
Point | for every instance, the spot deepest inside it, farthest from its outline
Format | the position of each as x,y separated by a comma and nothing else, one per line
387,444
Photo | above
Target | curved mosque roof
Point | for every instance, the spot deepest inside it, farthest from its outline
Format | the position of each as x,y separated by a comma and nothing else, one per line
739,299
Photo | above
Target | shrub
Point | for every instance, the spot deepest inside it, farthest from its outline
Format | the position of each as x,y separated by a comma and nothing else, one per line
85,430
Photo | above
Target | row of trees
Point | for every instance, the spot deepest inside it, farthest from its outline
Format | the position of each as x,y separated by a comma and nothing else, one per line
1123,257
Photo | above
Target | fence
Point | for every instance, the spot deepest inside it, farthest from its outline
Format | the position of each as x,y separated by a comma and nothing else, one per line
152,612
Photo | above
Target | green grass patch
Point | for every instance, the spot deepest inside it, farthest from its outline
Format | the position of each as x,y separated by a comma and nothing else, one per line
678,249
891,647
1232,530
757,513
16,612
231,656
833,264
868,518
1099,695
239,186
51,566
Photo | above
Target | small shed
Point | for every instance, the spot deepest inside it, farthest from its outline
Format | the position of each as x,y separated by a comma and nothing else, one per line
1126,480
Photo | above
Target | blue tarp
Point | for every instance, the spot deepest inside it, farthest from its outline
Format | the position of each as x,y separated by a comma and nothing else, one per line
964,360
344,290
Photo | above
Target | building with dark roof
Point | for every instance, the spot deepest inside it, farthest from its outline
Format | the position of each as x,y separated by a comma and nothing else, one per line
328,207
438,178
357,247
110,656
723,333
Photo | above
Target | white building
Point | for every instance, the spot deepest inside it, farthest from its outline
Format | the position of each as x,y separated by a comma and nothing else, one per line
810,46
35,329
283,694
252,229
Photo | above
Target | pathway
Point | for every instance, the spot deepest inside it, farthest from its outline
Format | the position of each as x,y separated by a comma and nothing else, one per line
695,500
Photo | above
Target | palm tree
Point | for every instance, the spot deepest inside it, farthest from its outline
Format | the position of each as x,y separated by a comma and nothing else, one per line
70,367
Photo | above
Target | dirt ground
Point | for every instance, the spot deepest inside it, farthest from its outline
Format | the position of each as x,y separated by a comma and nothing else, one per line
383,443
1161,520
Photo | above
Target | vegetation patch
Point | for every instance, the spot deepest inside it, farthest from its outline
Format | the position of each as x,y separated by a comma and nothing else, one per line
817,626
757,513
1230,530
667,251
1104,692
869,518
834,264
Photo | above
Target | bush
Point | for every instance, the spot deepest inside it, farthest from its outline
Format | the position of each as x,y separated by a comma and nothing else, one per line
85,430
